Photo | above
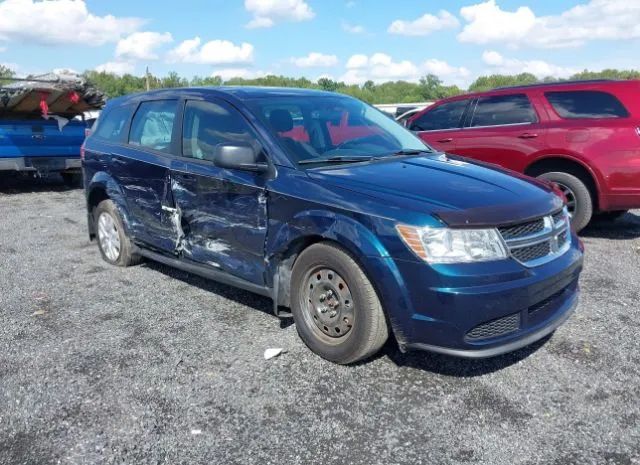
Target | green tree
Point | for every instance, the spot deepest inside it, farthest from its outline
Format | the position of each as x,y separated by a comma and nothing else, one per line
501,80
5,72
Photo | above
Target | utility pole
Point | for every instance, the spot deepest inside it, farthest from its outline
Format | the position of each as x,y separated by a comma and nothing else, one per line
147,79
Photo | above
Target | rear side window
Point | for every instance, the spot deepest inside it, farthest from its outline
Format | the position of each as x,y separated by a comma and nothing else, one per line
152,125
586,104
445,116
111,126
208,124
500,110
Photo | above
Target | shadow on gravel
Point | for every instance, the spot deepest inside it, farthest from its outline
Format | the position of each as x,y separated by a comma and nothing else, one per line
624,228
255,301
10,184
458,367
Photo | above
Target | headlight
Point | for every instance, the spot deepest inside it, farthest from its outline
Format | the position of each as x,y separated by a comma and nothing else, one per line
444,245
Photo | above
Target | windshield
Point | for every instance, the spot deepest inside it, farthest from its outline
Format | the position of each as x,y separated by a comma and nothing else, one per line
316,130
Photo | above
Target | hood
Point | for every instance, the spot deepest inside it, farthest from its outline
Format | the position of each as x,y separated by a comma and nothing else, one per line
459,192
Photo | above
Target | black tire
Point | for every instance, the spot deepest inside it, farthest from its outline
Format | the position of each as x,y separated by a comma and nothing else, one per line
368,329
583,211
125,256
72,179
609,216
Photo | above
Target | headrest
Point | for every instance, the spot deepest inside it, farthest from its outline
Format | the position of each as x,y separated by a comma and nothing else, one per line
281,120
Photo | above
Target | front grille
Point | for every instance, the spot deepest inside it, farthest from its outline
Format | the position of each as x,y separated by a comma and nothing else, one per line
532,252
521,230
539,241
495,328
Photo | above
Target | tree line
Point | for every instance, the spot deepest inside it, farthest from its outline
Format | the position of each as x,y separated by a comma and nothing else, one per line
428,88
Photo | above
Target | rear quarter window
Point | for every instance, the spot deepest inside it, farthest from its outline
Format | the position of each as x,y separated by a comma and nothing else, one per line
591,104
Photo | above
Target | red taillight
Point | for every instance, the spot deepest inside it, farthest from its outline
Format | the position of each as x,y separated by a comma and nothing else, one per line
82,152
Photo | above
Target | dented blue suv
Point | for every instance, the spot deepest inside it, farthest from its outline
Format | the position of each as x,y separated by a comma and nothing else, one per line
345,219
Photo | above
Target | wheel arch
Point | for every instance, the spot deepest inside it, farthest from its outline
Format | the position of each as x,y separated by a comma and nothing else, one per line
354,238
104,187
569,165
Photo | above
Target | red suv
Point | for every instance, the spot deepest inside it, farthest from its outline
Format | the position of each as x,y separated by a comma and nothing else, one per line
584,136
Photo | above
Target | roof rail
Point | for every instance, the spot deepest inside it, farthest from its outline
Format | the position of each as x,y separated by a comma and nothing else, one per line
556,83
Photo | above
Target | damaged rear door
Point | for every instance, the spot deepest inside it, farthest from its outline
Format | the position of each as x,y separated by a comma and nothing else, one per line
222,213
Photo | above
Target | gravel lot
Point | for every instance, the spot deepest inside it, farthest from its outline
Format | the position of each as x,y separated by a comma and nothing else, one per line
152,365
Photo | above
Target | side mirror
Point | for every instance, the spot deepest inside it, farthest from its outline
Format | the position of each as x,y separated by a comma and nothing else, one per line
238,157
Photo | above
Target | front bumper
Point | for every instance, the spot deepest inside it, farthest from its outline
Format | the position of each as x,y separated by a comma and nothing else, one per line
41,164
567,310
440,308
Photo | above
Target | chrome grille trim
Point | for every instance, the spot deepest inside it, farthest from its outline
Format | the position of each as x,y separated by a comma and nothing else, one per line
555,233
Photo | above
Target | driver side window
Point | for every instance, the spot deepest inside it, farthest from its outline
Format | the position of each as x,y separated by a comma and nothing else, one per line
207,125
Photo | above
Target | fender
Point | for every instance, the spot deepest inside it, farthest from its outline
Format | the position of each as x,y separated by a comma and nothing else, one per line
105,182
291,237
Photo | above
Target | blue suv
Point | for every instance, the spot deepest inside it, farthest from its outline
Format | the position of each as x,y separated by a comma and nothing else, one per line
349,222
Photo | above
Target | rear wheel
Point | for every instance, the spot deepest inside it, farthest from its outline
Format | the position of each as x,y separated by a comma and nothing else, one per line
579,200
336,309
114,244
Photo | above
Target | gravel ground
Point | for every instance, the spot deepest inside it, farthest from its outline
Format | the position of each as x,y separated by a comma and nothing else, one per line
148,365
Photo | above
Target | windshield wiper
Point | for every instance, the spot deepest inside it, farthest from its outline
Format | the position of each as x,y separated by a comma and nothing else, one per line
412,151
336,159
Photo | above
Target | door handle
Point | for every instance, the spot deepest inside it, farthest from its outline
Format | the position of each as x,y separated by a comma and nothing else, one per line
446,139
528,135
38,137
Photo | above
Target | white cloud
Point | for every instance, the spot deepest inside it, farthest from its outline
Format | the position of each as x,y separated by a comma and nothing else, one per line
424,25
353,28
60,22
592,20
538,68
357,61
492,58
245,73
444,70
116,67
214,52
315,60
267,12
3,48
381,67
142,45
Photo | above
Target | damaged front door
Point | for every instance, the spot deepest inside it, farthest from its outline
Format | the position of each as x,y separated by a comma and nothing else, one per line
222,213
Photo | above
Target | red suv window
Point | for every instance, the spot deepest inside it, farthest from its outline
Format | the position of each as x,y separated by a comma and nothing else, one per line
586,104
499,110
445,116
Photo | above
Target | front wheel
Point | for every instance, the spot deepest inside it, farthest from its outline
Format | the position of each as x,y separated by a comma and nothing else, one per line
336,309
579,201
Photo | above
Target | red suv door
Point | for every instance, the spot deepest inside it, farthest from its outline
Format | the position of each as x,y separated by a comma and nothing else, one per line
503,129
440,124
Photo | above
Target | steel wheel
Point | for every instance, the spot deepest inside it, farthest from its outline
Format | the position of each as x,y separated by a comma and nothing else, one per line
108,236
329,304
571,198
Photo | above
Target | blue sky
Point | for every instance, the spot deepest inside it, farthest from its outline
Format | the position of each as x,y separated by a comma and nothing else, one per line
351,40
